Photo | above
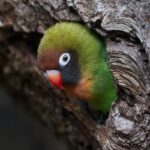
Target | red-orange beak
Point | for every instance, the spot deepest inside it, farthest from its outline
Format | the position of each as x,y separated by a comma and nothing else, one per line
54,76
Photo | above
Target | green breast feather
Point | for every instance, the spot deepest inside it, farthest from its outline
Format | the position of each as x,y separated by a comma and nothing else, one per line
92,59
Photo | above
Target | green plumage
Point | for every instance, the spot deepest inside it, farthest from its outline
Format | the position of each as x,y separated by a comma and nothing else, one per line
92,59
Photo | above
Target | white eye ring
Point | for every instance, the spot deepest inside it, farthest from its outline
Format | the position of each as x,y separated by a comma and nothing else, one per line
64,59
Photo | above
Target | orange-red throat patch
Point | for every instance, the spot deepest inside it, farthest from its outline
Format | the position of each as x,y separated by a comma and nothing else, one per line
81,90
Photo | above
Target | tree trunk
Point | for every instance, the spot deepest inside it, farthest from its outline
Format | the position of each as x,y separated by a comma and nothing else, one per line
125,26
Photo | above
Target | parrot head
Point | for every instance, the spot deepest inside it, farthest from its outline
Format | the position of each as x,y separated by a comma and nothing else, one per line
74,60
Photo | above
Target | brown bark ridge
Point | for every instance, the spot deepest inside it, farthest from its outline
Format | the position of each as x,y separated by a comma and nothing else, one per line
126,27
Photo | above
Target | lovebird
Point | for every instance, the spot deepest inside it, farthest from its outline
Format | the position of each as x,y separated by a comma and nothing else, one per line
74,59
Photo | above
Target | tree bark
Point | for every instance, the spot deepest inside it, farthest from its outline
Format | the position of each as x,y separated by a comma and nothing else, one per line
125,26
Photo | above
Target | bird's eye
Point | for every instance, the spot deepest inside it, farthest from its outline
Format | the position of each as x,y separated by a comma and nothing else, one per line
64,59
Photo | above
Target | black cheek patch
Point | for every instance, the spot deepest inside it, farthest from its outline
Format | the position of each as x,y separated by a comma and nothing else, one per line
71,72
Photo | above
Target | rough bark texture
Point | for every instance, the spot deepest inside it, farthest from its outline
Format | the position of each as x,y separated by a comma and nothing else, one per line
126,27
